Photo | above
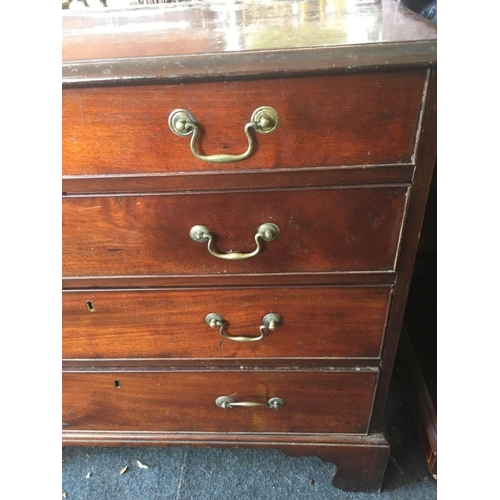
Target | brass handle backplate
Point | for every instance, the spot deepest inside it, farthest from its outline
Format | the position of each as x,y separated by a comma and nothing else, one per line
267,232
270,321
227,402
182,123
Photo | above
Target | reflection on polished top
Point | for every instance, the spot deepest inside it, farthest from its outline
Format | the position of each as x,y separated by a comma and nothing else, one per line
238,26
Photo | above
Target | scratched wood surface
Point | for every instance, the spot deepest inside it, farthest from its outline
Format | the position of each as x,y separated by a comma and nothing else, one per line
248,179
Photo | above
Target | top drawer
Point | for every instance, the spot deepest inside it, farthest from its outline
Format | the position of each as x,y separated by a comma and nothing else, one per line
352,119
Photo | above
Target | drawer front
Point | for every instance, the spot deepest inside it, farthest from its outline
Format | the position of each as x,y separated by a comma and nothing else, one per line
330,322
185,401
324,120
321,230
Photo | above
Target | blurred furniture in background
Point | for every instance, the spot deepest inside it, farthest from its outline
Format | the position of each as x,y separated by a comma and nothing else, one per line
417,355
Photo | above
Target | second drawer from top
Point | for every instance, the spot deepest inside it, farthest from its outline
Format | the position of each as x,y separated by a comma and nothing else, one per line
349,229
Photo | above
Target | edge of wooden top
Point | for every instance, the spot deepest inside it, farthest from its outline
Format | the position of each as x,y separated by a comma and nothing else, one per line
249,64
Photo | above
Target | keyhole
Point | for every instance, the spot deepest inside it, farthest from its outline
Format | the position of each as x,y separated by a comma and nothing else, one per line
90,306
117,384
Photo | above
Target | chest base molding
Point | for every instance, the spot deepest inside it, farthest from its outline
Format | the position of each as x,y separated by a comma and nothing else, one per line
360,461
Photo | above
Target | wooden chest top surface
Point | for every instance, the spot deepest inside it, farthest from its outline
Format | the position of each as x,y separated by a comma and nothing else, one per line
238,38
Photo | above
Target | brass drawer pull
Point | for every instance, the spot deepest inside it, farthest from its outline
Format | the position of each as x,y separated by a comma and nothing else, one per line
226,402
268,232
263,120
271,321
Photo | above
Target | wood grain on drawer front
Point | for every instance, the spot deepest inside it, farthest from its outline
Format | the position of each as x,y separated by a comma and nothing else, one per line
317,322
322,401
352,119
322,230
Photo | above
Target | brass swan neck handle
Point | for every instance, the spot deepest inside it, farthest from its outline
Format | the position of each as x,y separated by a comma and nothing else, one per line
266,232
182,123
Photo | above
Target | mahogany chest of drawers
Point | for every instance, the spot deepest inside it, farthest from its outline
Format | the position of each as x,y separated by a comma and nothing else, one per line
243,189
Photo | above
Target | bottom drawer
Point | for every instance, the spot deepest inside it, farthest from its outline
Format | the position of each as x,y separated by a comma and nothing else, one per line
314,401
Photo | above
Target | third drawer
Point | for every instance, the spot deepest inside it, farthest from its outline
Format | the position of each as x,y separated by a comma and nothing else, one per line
323,321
